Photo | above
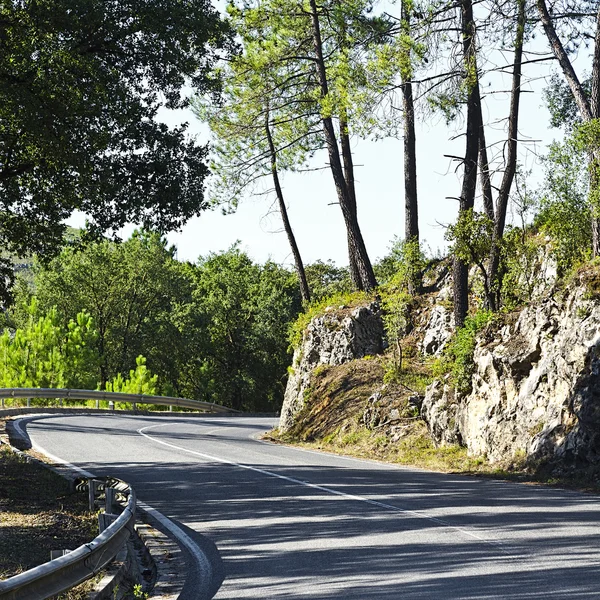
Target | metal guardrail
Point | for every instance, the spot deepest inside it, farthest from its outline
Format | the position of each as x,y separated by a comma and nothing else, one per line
71,394
67,571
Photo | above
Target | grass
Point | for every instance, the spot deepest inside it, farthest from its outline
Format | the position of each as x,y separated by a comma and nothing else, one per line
332,420
38,514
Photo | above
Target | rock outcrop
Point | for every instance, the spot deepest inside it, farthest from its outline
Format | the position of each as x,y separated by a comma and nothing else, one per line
340,335
535,388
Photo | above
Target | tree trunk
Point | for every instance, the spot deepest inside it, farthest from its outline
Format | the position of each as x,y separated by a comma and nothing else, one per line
469,184
484,168
349,177
304,289
595,159
565,63
584,106
356,243
511,159
411,208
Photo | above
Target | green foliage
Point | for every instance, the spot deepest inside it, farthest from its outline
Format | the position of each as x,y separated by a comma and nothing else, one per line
271,80
215,331
82,83
44,353
243,310
315,309
396,320
521,253
564,207
404,265
458,355
140,380
325,279
471,236
134,292
561,103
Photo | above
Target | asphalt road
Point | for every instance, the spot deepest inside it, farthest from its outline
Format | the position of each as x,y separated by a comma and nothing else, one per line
294,524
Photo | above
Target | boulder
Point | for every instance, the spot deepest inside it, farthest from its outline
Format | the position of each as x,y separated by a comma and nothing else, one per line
338,336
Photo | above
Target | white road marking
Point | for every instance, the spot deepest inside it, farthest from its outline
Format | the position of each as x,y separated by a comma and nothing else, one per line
204,565
315,486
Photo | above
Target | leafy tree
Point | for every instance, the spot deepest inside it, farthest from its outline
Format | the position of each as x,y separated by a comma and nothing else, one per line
81,84
405,263
326,279
247,310
310,60
564,208
579,17
140,380
258,133
44,353
131,289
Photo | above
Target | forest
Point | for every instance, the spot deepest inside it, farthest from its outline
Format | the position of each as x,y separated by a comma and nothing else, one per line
284,86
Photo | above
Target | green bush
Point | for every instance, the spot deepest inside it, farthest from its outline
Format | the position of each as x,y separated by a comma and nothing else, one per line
564,205
458,356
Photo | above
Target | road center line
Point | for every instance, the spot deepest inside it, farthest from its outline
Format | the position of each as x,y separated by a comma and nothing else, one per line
308,484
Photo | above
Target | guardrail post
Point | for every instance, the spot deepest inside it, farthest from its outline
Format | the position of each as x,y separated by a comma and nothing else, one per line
110,498
105,519
58,553
28,402
92,494
97,403
2,402
170,408
133,406
111,405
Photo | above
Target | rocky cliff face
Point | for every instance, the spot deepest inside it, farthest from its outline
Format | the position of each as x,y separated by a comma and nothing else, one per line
536,386
340,335
536,383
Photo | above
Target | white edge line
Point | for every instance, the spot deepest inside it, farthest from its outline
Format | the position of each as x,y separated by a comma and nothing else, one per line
205,568
315,486
204,565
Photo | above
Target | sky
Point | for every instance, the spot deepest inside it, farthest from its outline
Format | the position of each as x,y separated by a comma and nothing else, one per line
316,218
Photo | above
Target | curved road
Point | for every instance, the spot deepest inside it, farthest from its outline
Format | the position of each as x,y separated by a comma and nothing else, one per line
294,524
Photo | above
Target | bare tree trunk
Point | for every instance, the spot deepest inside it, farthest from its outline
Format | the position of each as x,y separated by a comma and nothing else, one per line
584,106
511,157
484,169
411,207
355,240
467,196
304,289
349,177
565,63
595,158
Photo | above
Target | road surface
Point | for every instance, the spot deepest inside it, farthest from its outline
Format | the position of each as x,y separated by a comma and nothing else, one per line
294,524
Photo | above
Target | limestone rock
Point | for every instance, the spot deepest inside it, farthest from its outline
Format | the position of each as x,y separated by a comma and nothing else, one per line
535,389
338,336
438,330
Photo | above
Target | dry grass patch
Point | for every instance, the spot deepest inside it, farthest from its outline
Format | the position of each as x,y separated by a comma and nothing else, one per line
37,514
